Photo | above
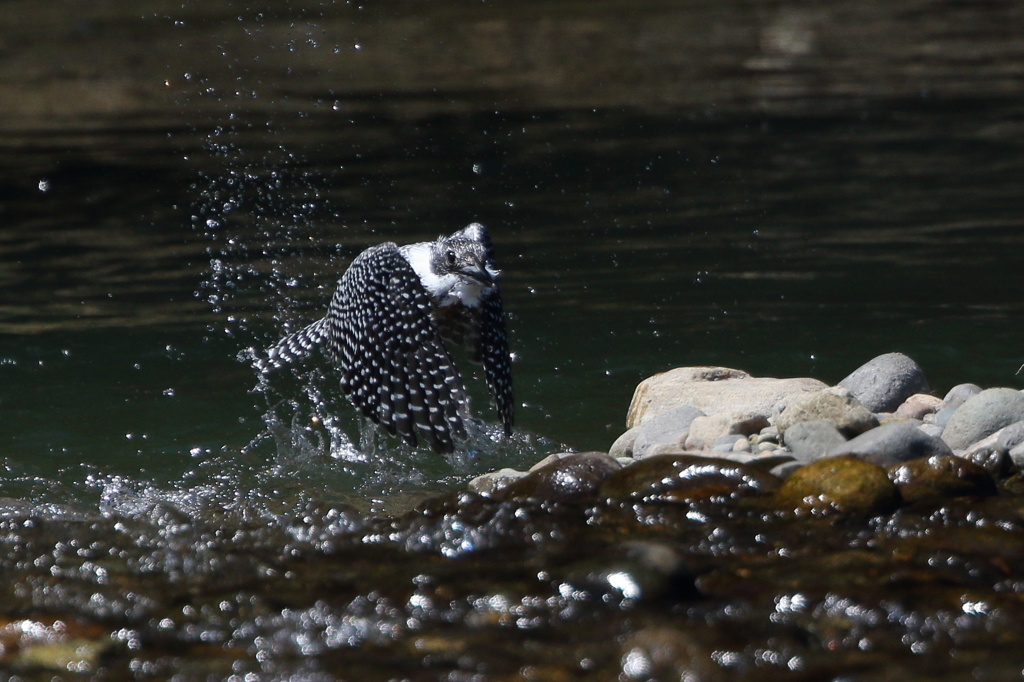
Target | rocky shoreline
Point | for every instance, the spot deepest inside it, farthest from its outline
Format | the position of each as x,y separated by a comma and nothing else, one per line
867,531
875,440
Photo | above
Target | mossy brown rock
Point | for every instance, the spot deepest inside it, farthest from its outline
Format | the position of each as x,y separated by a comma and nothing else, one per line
686,478
846,485
941,477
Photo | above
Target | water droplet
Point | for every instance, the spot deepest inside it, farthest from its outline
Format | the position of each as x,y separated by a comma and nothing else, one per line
44,185
169,392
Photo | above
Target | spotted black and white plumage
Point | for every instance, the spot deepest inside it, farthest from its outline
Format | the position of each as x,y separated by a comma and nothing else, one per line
386,328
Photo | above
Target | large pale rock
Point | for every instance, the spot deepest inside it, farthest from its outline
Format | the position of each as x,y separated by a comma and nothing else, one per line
668,428
713,390
882,383
835,405
983,414
704,431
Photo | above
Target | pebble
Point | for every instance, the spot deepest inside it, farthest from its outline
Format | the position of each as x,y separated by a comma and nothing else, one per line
713,390
893,443
918,405
884,382
813,439
983,414
835,405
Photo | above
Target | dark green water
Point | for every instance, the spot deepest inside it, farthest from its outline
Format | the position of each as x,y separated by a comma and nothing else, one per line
785,246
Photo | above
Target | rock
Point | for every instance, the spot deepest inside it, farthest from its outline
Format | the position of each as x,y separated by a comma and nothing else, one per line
846,485
918,405
729,443
685,478
937,478
892,444
670,427
623,445
996,462
813,440
959,394
983,414
786,469
941,418
1009,437
664,653
884,382
1016,455
931,429
568,478
835,405
488,484
713,390
704,431
635,569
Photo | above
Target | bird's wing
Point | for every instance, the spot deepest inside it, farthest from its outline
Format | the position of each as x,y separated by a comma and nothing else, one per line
494,354
296,346
394,366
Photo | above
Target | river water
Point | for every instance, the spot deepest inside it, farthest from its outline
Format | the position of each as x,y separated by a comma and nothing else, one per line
785,191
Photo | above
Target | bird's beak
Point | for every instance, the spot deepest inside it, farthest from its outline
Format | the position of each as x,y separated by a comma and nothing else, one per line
479,272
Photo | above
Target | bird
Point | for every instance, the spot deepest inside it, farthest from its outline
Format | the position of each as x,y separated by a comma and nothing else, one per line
386,329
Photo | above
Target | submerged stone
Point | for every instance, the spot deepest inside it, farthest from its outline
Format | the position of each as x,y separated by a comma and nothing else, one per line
940,477
844,484
682,478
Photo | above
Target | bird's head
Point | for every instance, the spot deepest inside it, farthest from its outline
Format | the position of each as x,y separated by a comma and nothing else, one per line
465,258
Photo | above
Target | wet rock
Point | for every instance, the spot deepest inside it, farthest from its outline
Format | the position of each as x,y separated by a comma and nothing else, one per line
684,478
892,444
568,478
940,477
846,485
668,428
834,405
884,382
959,394
72,655
623,445
813,440
635,570
996,462
713,390
983,414
488,484
664,653
918,405
704,431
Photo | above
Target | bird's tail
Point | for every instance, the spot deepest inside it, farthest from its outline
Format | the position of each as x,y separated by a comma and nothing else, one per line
296,346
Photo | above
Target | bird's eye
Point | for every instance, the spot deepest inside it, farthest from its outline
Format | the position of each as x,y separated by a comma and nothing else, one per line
451,257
